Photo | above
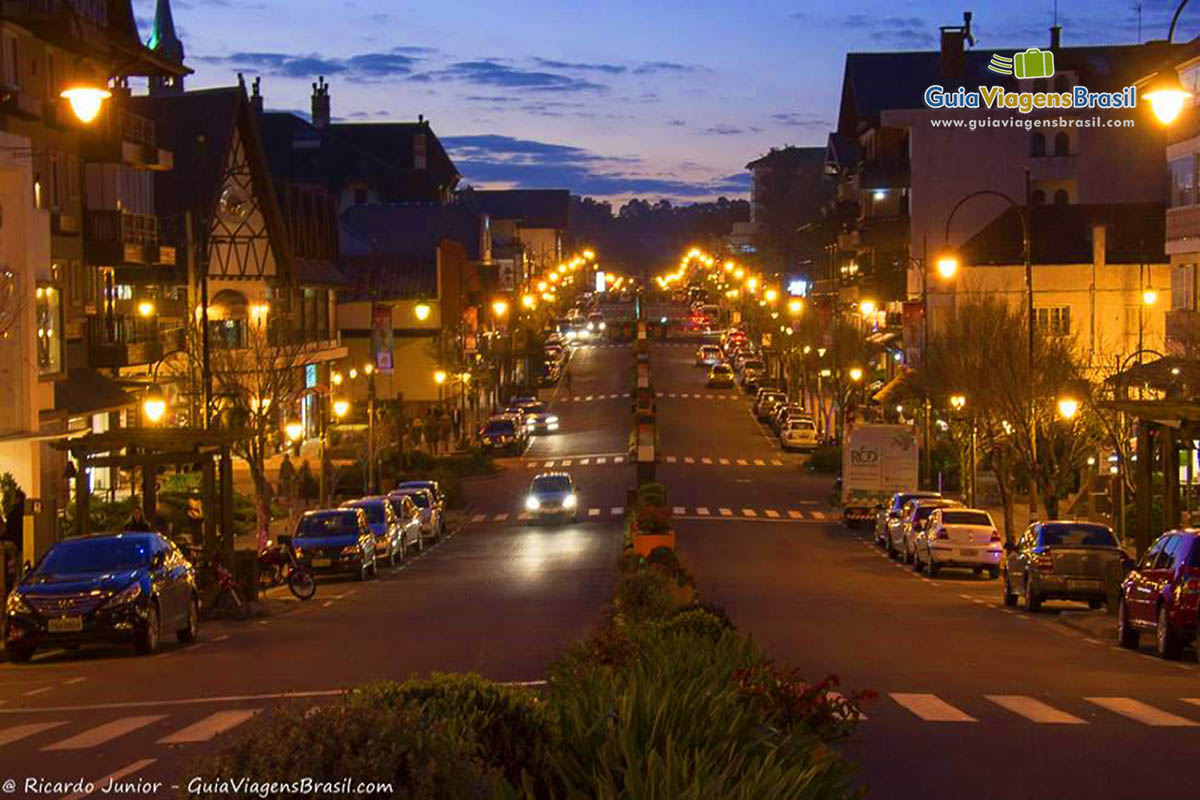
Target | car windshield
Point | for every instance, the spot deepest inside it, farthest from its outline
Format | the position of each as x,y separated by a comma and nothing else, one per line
551,483
1075,535
109,554
801,425
534,408
334,523
923,512
753,363
373,510
419,498
721,369
499,427
966,518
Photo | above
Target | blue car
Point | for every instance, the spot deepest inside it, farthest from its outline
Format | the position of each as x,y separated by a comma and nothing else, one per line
122,587
386,526
336,541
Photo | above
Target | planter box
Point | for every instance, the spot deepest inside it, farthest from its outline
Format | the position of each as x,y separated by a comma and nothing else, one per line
645,543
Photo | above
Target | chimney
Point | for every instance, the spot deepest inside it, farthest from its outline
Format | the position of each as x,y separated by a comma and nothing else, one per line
256,98
1099,245
954,58
320,103
1055,37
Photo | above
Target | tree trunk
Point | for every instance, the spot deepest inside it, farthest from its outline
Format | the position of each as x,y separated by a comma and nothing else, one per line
262,501
1004,486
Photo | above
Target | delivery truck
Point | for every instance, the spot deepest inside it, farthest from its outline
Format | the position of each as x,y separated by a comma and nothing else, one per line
877,462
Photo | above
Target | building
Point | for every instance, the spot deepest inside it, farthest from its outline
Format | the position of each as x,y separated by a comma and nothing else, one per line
787,191
536,220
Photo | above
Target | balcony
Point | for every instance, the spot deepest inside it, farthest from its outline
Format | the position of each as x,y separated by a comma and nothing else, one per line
129,341
1183,229
119,238
1183,331
882,233
892,173
18,103
122,137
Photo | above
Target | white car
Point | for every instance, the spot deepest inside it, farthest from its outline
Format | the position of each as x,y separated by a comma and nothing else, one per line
959,537
431,516
552,494
914,517
799,433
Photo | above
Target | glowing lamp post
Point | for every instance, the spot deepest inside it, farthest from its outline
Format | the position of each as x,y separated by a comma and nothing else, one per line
86,101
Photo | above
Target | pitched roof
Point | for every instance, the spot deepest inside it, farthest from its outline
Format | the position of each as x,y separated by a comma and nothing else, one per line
790,156
410,231
536,208
876,82
382,277
300,152
1135,233
395,143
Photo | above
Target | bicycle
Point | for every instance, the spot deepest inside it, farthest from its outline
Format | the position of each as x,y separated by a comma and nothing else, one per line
277,563
218,589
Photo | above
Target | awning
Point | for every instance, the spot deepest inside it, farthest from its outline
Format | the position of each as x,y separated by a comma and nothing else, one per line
892,387
86,391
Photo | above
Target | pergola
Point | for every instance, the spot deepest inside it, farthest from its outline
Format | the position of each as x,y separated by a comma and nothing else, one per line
150,448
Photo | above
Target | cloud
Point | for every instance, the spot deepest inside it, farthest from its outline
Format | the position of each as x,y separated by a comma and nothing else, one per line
660,67
676,123
609,69
729,130
526,163
364,66
797,119
489,72
895,31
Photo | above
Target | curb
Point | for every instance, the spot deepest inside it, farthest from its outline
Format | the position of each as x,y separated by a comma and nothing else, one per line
1098,624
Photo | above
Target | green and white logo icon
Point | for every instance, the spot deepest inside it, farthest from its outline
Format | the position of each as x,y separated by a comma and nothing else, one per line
1033,63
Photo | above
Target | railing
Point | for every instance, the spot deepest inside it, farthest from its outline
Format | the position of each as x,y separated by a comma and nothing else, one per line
120,237
122,341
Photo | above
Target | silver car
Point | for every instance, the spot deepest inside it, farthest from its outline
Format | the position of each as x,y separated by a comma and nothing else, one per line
427,509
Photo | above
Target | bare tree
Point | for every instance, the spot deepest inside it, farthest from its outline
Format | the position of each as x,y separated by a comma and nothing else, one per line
11,301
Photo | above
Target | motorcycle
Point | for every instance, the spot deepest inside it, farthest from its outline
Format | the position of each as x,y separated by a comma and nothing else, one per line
277,563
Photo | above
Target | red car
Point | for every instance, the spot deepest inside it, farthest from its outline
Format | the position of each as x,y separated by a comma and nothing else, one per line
1161,594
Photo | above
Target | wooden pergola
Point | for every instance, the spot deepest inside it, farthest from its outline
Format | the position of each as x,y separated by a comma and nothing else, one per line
151,448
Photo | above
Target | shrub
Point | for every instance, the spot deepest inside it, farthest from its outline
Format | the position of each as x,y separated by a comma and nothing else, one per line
790,702
667,561
826,459
422,755
652,494
712,609
696,623
652,519
643,595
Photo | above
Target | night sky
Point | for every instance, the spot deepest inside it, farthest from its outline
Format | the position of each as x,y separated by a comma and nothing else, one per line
650,98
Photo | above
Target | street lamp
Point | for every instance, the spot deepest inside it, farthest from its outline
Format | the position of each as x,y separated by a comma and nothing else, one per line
771,295
294,430
422,311
957,402
336,378
856,374
439,377
341,407
867,307
86,100
795,307
1068,407
500,308
528,301
154,405
146,308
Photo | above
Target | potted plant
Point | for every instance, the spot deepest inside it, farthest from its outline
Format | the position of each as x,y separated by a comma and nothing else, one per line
651,526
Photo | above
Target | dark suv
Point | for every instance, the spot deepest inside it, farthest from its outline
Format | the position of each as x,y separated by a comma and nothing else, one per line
1162,594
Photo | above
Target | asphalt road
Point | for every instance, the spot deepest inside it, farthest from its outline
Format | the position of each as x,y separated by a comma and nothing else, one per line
498,596
974,700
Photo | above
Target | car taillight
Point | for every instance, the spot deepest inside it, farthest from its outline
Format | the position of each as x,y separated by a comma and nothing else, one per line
1191,581
943,533
1043,562
995,537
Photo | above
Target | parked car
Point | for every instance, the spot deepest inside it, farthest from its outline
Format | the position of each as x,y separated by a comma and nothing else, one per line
431,518
720,377
708,355
916,514
766,400
889,515
502,433
959,537
552,494
385,525
799,433
750,378
336,541
116,587
1162,594
751,361
410,519
785,412
439,497
1061,560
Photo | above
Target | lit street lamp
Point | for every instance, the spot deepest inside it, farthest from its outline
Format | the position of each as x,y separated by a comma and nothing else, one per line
421,311
1068,407
154,405
958,402
86,101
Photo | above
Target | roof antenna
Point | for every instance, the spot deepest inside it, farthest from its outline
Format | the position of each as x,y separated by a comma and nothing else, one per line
1138,8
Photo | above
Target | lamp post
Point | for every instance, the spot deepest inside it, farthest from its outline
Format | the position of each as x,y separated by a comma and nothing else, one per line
372,467
1165,91
947,268
951,260
958,402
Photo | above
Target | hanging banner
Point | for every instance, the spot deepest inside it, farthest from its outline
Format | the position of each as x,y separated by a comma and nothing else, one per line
382,336
914,320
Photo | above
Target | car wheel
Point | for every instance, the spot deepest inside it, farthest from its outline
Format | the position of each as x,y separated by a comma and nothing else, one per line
1010,599
909,555
892,552
18,654
1167,642
391,562
362,572
934,569
993,572
1127,635
1095,603
1033,603
916,563
978,571
189,633
147,639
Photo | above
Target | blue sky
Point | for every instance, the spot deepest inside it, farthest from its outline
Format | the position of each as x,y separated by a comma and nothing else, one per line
653,98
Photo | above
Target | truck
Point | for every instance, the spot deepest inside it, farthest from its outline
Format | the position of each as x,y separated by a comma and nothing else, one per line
877,461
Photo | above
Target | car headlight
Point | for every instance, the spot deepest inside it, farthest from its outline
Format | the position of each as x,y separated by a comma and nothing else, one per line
127,595
591,326
570,501
17,604
532,503
550,420
603,326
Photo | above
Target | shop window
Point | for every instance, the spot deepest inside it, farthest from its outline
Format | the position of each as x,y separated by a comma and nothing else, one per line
48,312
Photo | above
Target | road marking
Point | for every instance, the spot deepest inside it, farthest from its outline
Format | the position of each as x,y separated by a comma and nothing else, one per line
749,512
602,460
742,462
523,516
549,464
758,462
670,459
724,462
819,515
101,734
210,726
725,512
772,513
593,512
33,692
18,732
73,681
618,510
479,518
931,708
583,462
677,510
136,766
689,460
794,514
702,511
327,604
1141,712
707,461
1034,710
618,459
775,462
531,465
672,394
500,517
589,397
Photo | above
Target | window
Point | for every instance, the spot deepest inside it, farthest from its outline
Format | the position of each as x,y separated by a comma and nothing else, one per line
10,62
1166,556
1056,320
1061,198
1062,144
1037,198
1037,144
1183,287
48,311
1182,181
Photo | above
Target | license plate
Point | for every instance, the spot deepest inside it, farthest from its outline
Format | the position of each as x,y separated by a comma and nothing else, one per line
322,562
1082,584
971,552
65,625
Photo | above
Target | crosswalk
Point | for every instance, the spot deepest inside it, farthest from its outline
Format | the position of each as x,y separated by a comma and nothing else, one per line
592,513
588,398
688,512
709,461
577,461
701,395
85,733
932,708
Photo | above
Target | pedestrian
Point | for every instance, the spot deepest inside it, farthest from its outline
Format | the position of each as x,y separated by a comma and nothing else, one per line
137,520
445,429
306,483
458,424
287,477
417,431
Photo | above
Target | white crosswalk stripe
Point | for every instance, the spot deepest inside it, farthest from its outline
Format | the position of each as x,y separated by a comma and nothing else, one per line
101,734
775,462
548,464
531,464
602,460
793,514
1141,712
772,513
671,459
479,518
820,515
566,462
18,732
725,512
742,462
500,517
618,459
583,462
524,516
210,726
758,462
593,512
931,708
678,510
749,512
618,510
724,462
689,460
702,511
706,461
1034,710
